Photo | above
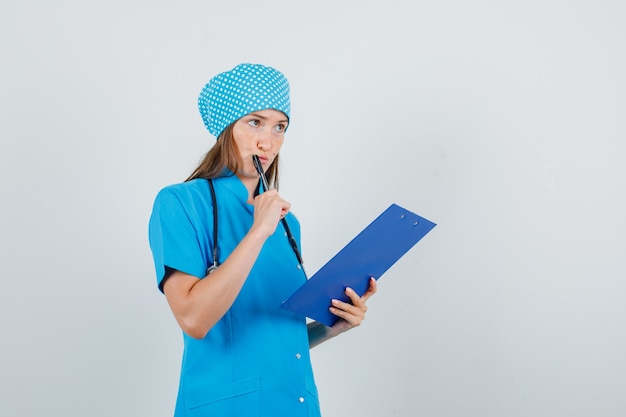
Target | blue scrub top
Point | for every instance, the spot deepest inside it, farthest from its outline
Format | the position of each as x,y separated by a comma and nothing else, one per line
255,360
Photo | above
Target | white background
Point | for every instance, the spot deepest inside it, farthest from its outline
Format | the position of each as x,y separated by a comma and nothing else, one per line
502,121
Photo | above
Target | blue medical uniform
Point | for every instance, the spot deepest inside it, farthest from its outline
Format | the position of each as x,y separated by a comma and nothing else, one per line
255,361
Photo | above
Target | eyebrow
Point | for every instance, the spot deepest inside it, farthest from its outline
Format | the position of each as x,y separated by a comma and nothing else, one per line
260,116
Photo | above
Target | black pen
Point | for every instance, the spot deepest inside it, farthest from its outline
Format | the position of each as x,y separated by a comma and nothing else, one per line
292,240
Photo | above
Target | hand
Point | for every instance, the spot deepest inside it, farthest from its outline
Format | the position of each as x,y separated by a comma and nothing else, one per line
269,209
351,315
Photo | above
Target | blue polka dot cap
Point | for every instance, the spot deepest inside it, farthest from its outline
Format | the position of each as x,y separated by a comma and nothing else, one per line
245,89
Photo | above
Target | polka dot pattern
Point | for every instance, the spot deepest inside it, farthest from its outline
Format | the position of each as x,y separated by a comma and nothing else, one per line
245,89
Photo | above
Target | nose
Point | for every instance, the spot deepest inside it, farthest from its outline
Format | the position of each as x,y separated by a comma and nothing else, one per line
264,140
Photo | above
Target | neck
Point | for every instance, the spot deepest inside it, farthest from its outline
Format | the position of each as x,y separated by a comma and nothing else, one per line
251,184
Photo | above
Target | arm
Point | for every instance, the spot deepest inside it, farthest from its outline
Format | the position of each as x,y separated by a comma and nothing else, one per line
198,304
350,315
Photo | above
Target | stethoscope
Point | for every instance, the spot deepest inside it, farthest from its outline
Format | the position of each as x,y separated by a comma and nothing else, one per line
292,240
215,249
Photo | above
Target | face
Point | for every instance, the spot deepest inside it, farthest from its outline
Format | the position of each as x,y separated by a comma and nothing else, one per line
259,133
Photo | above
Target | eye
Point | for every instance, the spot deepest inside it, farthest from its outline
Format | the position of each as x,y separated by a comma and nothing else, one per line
254,122
280,127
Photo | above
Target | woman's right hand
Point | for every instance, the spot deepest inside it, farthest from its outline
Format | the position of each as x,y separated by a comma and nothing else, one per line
269,209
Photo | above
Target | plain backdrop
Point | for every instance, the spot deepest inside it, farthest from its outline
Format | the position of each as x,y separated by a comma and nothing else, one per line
502,121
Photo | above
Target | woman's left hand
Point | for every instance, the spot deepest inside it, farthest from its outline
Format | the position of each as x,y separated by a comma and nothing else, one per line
351,315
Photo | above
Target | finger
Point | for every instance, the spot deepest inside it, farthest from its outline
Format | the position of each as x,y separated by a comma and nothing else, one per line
281,204
354,297
371,290
349,309
272,202
347,313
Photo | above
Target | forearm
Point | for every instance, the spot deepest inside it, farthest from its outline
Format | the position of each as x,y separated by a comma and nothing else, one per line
199,306
319,333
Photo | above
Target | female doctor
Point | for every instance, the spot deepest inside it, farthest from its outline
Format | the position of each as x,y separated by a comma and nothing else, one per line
225,264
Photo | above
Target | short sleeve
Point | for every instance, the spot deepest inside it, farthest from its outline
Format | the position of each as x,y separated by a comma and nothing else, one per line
173,238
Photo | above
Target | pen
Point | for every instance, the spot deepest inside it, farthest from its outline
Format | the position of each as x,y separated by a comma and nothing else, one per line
259,169
292,240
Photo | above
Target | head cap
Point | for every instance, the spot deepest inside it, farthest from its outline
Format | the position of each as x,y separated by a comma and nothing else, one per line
245,89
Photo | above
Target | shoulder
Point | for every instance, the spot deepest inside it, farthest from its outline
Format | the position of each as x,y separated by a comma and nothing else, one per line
183,191
186,196
185,187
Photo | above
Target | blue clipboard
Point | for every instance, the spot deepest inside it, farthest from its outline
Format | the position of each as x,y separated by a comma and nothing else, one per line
370,254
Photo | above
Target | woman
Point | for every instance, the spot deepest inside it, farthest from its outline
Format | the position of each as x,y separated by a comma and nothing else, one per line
243,356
